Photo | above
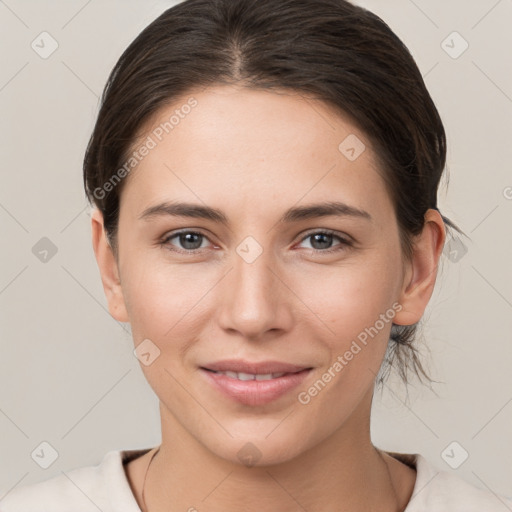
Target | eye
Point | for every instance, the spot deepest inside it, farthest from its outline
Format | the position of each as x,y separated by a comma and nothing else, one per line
190,241
322,241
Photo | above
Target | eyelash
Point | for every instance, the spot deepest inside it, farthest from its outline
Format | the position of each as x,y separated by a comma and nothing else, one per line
344,245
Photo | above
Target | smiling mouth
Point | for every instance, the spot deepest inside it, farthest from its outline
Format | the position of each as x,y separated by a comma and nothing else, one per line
255,389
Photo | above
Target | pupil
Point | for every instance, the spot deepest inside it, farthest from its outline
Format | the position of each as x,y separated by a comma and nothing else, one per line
321,235
186,240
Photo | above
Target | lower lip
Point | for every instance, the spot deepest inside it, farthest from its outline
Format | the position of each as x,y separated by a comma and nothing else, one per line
255,392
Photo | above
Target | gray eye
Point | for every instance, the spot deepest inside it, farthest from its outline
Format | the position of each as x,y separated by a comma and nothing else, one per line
321,240
187,240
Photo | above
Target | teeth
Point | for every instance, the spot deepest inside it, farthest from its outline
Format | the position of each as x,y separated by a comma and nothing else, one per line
245,376
252,376
266,376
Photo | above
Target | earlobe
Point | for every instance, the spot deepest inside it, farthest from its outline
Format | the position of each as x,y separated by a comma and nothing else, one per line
421,274
108,267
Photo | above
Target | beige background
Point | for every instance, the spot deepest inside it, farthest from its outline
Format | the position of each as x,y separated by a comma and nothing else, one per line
68,376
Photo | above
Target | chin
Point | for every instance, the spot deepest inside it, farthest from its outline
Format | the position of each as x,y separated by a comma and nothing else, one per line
257,451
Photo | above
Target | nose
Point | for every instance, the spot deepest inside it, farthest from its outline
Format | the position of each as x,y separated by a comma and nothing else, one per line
255,298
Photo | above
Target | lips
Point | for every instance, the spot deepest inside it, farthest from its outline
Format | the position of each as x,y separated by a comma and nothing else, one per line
254,383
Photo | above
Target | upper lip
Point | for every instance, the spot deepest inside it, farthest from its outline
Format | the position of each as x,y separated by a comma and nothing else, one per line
261,367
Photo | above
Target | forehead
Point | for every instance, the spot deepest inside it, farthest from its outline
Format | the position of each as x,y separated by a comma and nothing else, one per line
228,145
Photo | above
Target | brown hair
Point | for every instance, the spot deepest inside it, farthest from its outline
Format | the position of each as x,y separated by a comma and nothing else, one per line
331,50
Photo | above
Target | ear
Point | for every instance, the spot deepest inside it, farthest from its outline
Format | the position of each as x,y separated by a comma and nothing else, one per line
108,268
421,272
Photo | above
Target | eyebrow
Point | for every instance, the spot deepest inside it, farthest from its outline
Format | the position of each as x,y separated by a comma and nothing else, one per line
294,214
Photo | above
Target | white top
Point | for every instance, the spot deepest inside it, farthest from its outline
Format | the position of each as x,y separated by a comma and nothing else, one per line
105,487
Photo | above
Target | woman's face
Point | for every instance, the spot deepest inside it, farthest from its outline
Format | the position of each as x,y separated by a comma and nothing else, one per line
268,282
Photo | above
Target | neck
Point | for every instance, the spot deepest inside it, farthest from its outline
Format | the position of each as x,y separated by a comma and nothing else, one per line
343,472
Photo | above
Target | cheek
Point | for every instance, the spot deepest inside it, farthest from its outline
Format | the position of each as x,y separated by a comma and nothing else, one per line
350,297
163,299
357,307
354,312
164,306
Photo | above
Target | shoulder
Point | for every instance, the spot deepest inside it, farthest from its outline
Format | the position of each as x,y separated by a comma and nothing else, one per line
86,489
438,491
